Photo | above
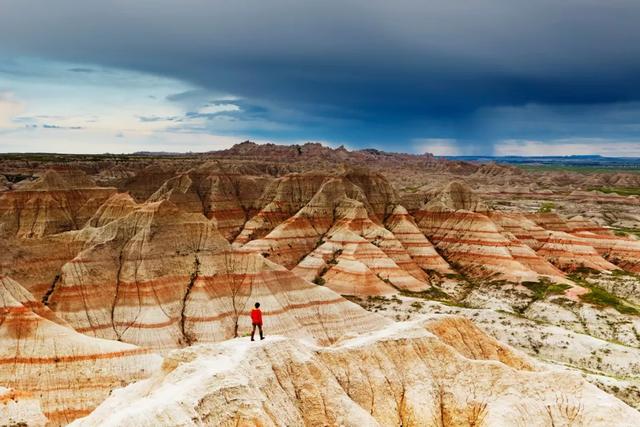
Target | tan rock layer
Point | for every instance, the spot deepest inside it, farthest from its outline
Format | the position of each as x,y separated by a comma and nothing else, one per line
69,372
401,375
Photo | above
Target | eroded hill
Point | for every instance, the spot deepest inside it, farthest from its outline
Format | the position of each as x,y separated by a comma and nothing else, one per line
109,266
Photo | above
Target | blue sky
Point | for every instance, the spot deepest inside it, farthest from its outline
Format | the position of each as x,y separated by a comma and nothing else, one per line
453,77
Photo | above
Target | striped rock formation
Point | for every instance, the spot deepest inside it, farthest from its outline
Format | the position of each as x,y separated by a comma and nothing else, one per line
353,216
550,221
421,250
565,251
281,199
510,246
526,238
360,257
162,278
351,265
115,207
130,280
475,243
68,372
444,372
287,195
57,201
36,263
472,240
226,197
520,226
336,225
624,252
569,252
19,408
217,305
533,260
379,195
147,181
580,224
297,236
457,195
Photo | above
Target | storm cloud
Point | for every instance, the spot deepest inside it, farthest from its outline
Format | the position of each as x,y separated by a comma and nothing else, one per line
370,71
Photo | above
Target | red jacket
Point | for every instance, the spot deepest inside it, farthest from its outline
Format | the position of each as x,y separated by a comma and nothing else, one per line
256,316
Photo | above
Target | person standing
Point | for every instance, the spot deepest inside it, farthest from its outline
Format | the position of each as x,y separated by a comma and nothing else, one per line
256,320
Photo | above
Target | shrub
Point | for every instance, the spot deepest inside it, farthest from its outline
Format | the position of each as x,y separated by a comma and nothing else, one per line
546,207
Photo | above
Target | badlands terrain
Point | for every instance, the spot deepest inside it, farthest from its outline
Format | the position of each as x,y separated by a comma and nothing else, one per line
397,290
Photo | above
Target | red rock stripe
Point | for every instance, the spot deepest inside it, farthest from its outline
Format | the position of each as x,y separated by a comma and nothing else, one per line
71,359
270,313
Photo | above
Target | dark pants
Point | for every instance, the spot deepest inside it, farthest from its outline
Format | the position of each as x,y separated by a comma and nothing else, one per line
253,331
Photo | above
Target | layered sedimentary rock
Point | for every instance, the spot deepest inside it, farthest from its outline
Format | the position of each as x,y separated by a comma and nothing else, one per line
153,266
351,265
226,197
233,199
378,192
130,280
444,372
475,243
550,221
520,226
512,245
226,286
285,196
470,238
281,199
334,240
533,260
160,277
566,251
18,408
70,373
457,195
117,206
290,241
57,201
569,252
422,251
359,257
353,216
623,251
580,224
148,180
36,263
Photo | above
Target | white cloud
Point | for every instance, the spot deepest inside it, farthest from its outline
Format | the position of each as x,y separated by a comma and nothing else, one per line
437,146
567,147
218,108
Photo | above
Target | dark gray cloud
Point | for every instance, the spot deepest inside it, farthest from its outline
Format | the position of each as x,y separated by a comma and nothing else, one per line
369,68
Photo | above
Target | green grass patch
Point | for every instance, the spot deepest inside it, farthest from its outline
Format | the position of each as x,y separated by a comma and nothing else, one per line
543,288
623,191
431,293
623,231
603,298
